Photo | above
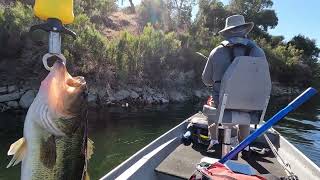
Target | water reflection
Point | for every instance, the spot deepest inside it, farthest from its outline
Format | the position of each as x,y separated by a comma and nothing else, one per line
301,127
120,132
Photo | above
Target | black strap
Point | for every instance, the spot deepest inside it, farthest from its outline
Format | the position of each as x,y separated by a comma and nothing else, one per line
231,50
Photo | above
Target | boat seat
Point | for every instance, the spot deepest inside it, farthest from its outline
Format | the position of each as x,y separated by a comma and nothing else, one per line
244,95
244,92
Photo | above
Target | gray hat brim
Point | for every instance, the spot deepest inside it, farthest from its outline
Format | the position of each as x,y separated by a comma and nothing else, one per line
246,28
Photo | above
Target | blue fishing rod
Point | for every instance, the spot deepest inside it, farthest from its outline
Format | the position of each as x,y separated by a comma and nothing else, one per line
305,96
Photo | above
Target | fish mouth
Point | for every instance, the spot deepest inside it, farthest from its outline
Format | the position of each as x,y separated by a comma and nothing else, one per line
70,92
62,75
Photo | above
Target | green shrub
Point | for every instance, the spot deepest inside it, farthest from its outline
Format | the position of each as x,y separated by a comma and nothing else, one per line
143,57
89,49
286,64
17,17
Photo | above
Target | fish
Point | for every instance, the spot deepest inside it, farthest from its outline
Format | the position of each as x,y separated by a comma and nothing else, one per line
55,143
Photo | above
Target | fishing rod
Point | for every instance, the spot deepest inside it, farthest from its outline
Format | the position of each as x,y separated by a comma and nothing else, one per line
56,14
305,96
200,54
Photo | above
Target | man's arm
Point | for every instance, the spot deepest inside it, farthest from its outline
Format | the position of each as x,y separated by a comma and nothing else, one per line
207,74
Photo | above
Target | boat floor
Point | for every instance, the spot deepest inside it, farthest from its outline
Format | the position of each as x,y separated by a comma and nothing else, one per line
181,163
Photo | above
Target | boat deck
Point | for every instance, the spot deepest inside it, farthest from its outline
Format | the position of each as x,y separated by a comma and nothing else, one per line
181,163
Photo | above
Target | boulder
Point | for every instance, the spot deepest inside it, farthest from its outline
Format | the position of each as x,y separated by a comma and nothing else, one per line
164,100
121,95
12,89
134,95
3,107
177,96
10,97
137,89
3,90
27,99
13,104
92,98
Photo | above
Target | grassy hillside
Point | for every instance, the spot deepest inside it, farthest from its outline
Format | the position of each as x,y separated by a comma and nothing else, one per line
154,46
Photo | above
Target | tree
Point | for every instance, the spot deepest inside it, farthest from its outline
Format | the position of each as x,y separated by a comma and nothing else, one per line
212,14
133,9
277,40
180,12
256,11
156,13
309,47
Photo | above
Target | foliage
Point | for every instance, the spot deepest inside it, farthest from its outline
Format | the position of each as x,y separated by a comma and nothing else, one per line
154,12
212,14
15,20
95,7
167,43
309,47
180,12
256,11
143,56
17,17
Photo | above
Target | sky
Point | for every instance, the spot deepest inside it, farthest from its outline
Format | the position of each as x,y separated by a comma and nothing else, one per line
295,17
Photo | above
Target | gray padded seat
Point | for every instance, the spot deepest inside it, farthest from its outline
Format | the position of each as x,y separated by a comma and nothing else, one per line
244,91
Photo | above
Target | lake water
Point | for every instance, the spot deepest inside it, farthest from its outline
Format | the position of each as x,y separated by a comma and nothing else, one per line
120,132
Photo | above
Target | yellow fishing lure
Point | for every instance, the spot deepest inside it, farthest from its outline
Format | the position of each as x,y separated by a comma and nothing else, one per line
59,9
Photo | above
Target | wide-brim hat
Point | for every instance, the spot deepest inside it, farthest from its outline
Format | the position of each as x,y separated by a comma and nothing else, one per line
236,24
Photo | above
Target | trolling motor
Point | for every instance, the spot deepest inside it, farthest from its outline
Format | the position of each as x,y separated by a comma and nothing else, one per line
56,14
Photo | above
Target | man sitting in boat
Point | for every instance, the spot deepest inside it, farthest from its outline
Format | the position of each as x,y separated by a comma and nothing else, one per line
236,44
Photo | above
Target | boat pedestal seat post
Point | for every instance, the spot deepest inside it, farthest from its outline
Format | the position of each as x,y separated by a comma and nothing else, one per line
244,95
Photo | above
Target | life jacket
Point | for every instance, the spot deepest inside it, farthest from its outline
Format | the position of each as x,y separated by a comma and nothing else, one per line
235,42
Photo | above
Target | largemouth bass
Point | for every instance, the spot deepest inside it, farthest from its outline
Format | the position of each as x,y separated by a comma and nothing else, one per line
55,145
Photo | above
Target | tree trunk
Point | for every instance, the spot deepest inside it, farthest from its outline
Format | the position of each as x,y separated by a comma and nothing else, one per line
133,9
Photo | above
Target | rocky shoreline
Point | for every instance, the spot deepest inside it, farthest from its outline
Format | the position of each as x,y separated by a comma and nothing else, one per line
21,97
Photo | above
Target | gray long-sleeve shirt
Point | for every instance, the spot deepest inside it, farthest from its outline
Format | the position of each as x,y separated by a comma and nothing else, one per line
218,62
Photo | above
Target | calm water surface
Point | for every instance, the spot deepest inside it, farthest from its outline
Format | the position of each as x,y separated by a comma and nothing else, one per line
120,132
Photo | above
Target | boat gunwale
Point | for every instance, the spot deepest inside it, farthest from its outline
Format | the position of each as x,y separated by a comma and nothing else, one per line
118,170
173,132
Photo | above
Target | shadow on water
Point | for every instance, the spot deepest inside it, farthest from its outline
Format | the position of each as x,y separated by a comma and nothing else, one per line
120,132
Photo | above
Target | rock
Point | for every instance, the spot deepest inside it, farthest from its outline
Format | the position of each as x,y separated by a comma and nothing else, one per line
92,98
25,88
3,107
137,89
10,97
198,93
13,104
164,100
121,95
27,99
177,96
134,95
149,90
12,89
149,100
201,93
3,90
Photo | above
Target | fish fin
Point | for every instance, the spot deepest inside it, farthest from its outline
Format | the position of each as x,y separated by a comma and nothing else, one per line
90,148
18,150
87,177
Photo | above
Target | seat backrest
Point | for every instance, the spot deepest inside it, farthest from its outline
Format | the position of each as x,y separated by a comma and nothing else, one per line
245,87
247,83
